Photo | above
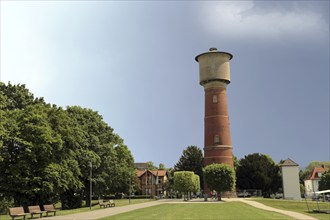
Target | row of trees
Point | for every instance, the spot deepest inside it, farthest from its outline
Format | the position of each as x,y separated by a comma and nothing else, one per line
254,171
218,177
46,152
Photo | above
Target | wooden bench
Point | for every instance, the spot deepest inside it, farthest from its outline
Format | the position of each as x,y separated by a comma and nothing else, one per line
103,204
49,208
112,203
35,210
16,212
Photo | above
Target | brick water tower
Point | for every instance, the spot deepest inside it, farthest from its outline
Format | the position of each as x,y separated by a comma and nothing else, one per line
214,76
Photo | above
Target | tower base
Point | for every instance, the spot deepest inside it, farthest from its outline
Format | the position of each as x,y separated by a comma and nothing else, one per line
227,194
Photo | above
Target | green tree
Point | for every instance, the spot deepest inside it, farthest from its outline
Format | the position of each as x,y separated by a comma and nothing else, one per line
45,151
169,184
124,168
219,177
196,187
151,165
112,162
161,166
186,182
34,154
236,162
191,160
259,171
17,97
324,183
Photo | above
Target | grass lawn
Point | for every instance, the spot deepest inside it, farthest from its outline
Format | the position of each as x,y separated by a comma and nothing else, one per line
199,211
119,202
297,206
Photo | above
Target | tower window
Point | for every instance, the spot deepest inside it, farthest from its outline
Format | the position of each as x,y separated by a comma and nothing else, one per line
215,99
216,139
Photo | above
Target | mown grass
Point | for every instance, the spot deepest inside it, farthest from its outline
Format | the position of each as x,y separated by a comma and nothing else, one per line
199,211
298,206
223,210
119,202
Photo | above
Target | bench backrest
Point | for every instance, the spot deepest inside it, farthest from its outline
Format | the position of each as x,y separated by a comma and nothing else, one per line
16,211
34,208
49,208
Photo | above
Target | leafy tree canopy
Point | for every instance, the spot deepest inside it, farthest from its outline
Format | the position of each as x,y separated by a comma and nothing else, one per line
324,183
219,177
186,181
236,162
46,151
161,166
151,165
259,171
191,160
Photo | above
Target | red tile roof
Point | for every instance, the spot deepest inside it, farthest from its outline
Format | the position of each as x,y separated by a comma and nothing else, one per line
316,171
140,173
158,172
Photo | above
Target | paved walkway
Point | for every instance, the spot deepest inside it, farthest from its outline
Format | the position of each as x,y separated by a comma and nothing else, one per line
101,213
97,214
259,205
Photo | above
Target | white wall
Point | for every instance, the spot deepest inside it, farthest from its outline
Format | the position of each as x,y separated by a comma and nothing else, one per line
291,186
311,186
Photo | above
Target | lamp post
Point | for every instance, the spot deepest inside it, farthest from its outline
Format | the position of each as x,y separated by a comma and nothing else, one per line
90,185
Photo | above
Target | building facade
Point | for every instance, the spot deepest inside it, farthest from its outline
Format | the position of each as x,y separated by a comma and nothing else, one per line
312,182
152,182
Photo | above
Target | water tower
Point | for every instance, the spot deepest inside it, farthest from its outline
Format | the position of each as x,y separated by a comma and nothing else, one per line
214,76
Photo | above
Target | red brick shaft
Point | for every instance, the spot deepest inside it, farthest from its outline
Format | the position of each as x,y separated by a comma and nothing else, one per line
217,140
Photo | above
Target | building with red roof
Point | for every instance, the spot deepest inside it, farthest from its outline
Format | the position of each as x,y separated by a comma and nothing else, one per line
152,182
312,182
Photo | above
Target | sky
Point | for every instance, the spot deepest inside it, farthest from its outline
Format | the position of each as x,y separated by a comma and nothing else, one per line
134,63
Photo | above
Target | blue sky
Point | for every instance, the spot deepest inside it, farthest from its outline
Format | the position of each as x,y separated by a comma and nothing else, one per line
133,62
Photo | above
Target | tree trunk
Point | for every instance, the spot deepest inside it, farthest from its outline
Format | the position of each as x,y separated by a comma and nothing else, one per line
87,196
